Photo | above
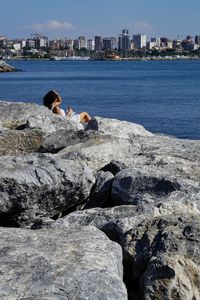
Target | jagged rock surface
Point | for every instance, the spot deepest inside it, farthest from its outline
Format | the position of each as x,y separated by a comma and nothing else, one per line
149,187
110,163
14,142
178,157
57,264
58,140
118,128
113,221
18,115
163,257
35,186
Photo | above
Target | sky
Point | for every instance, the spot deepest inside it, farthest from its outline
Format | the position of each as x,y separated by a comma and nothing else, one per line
73,18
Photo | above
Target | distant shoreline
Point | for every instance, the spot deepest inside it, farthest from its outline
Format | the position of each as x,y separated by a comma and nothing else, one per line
170,58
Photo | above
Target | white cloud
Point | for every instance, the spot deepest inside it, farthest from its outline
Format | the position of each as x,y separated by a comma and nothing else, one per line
52,25
142,27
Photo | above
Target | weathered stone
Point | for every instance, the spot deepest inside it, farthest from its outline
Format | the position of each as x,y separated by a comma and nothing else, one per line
147,187
178,157
62,138
156,175
122,129
32,116
171,277
60,264
99,151
14,142
35,186
180,206
114,221
150,254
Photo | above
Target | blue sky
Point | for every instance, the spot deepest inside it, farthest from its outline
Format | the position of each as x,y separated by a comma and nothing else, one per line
72,18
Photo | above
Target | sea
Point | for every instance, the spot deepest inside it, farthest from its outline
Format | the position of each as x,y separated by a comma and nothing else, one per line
163,96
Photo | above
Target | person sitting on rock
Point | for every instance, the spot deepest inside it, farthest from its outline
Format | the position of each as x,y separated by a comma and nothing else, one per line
52,100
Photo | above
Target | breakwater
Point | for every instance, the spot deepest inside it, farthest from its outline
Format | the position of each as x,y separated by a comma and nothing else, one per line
114,206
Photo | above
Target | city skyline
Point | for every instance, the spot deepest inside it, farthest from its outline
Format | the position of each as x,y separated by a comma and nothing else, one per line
106,18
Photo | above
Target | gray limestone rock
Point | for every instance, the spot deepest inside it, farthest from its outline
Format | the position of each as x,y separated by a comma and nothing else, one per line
114,221
158,176
117,128
60,265
100,151
27,115
149,187
171,277
180,206
15,142
163,254
178,157
56,141
36,186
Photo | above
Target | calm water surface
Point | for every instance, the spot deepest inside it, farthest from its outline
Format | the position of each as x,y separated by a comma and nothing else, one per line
163,96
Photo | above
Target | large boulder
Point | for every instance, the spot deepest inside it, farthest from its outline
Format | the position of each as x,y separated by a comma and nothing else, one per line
61,138
100,150
178,157
60,264
15,142
114,221
171,277
162,255
28,115
36,186
122,129
147,187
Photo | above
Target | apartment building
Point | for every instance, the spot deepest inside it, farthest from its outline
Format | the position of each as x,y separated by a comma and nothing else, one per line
140,41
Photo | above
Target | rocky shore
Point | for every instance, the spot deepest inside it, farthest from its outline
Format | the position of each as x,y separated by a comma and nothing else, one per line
109,212
4,67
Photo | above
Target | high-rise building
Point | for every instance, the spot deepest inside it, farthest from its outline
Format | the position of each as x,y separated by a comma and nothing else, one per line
30,43
109,43
156,40
76,44
165,43
69,44
90,45
40,40
98,45
140,41
197,39
124,42
82,42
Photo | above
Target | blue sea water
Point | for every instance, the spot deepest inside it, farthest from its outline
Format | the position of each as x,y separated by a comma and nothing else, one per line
163,96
